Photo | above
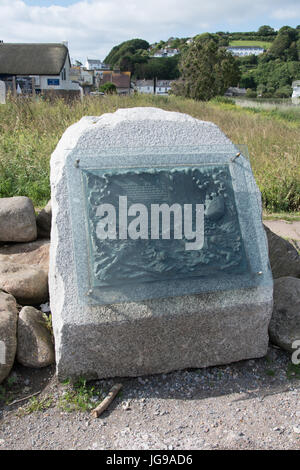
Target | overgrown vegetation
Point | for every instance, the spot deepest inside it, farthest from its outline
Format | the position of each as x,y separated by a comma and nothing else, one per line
272,73
126,54
268,75
37,404
6,390
133,56
293,371
30,131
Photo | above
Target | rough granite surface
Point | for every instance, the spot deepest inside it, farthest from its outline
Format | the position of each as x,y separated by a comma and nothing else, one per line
157,335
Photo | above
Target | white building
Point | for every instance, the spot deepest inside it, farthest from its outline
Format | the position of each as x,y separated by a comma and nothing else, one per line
244,51
162,87
145,86
167,52
95,64
296,92
38,67
82,76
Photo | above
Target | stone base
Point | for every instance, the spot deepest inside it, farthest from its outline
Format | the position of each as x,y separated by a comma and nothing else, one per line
162,335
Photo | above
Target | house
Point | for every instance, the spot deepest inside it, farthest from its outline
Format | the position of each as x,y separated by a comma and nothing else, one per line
243,51
94,64
85,78
161,87
121,80
296,92
167,52
145,86
36,68
235,91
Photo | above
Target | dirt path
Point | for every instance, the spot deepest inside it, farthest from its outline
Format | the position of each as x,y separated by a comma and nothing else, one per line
252,404
290,230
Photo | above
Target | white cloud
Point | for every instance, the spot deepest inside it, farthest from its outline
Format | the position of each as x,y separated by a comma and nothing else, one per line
287,14
93,27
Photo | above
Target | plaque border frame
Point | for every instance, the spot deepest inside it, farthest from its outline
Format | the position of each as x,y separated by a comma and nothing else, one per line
164,157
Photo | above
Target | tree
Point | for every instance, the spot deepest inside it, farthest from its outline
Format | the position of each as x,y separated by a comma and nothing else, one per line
261,89
280,45
265,30
126,48
292,32
161,68
206,69
284,92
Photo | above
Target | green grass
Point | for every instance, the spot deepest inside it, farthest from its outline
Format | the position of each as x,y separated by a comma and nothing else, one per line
81,396
264,44
30,131
293,371
37,404
288,217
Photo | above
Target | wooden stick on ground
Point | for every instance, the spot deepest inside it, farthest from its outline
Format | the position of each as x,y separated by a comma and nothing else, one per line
25,398
107,401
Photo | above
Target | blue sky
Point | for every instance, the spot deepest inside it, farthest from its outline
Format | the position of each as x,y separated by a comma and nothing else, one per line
93,27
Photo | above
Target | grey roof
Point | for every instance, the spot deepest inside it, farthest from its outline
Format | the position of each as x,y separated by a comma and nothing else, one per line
32,59
145,82
94,61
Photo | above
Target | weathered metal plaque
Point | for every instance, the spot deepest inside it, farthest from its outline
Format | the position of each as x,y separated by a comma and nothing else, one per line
146,259
143,232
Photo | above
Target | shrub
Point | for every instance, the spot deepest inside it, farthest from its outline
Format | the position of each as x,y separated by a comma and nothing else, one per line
108,88
250,93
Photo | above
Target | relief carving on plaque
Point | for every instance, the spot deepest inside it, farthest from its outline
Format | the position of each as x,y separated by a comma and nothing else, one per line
118,261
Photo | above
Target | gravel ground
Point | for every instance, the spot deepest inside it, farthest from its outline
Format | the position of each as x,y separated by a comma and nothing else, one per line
252,404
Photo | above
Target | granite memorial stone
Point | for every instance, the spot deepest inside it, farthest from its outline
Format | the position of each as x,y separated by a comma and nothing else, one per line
158,258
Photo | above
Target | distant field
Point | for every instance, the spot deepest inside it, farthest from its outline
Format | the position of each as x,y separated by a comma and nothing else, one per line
30,130
263,44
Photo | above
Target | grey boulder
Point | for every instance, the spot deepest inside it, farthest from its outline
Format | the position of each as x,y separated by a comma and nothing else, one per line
17,219
43,221
28,284
284,327
35,344
8,333
284,258
8,303
31,253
